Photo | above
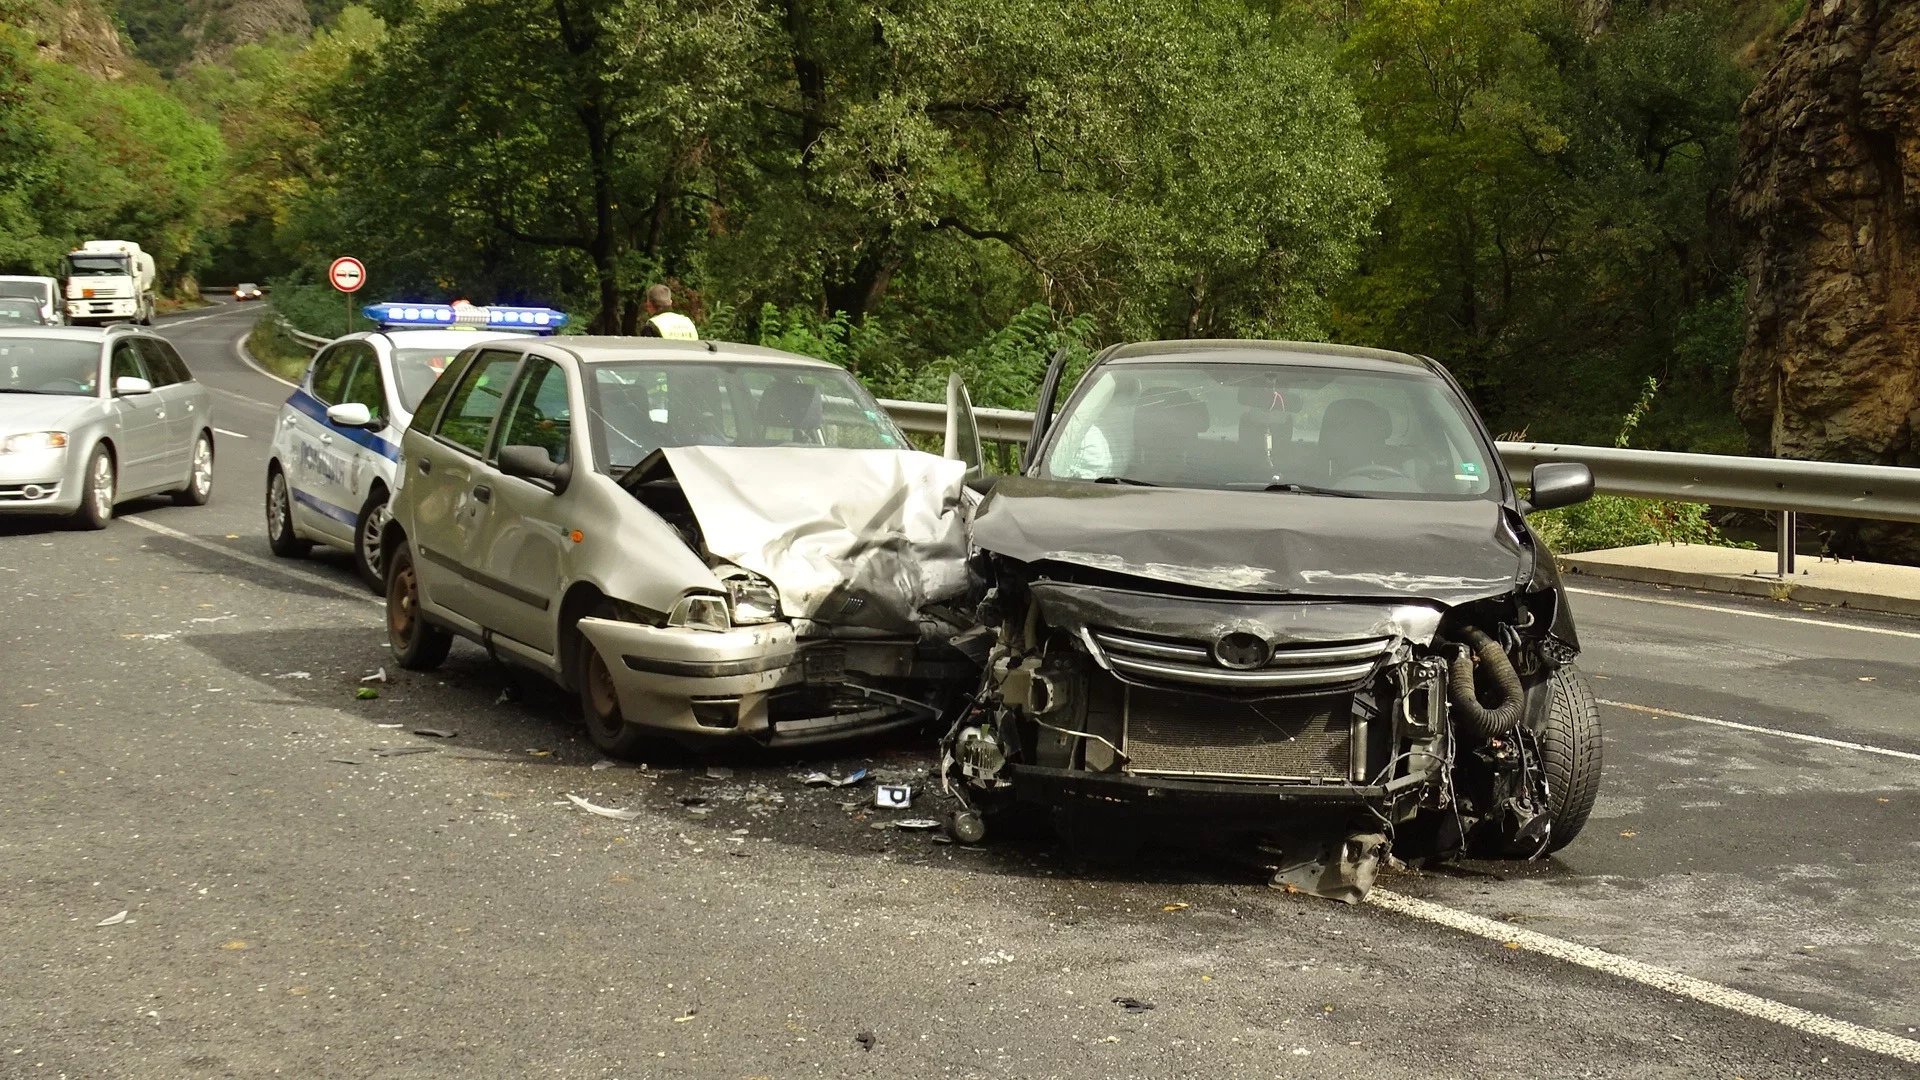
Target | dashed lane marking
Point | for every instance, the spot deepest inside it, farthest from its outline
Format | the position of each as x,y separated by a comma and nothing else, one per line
1672,982
252,560
1738,726
234,434
171,323
1828,623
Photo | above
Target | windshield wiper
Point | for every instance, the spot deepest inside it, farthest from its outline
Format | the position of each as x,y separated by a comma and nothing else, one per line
1128,480
1309,489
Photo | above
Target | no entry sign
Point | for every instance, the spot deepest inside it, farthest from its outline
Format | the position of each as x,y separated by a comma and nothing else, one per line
347,274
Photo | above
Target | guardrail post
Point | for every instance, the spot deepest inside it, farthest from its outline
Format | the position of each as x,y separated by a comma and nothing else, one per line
1784,545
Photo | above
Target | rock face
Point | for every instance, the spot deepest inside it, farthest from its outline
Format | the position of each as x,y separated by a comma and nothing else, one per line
1829,195
79,33
222,25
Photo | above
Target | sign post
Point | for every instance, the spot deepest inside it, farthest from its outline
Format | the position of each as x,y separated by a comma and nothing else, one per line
347,274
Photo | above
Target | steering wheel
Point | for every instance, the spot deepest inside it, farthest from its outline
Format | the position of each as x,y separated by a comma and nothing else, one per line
1375,472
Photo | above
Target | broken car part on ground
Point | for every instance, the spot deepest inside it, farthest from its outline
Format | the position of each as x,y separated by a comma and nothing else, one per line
1285,591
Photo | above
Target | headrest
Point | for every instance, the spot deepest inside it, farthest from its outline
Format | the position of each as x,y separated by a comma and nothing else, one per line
1175,412
1262,397
792,404
1356,421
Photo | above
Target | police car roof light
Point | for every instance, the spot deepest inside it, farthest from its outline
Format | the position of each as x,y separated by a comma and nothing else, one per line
416,316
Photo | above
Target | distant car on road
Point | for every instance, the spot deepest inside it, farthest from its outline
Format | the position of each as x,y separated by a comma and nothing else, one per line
94,417
44,292
707,542
331,467
247,290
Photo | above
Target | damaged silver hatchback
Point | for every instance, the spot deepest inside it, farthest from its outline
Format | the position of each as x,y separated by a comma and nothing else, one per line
1279,592
707,542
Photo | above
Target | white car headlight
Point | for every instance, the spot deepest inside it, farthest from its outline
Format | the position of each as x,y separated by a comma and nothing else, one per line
701,611
752,598
29,441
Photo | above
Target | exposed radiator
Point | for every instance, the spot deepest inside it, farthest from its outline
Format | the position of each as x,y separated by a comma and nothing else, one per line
1169,733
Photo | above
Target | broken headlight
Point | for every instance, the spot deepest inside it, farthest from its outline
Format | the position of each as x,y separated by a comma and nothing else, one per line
701,611
753,599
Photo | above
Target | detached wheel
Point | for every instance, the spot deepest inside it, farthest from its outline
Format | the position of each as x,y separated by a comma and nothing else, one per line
280,535
418,645
1570,755
96,503
607,726
200,479
367,557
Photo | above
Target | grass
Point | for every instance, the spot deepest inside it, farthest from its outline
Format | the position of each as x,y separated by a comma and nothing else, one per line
277,352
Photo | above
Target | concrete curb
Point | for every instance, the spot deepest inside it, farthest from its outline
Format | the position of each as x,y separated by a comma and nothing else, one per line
1766,587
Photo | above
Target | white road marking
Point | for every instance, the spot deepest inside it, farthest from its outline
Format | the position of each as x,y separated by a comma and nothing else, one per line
1663,979
171,323
1755,728
1828,623
234,434
244,399
253,560
246,357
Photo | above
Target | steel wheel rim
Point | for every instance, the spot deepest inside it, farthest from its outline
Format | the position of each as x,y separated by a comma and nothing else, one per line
281,512
202,467
400,601
102,486
605,701
370,529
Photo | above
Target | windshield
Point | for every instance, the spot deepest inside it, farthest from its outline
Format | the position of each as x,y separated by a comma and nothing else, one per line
639,406
416,369
19,313
1258,427
98,265
49,366
31,290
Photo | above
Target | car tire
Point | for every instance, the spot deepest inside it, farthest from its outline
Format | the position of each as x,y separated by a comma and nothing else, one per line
417,644
1570,752
199,475
280,535
367,555
96,500
607,727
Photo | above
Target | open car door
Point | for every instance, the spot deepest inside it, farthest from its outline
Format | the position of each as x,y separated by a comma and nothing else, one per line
963,431
1043,407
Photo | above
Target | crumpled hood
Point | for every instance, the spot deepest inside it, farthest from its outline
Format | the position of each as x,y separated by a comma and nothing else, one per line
43,412
1257,543
852,537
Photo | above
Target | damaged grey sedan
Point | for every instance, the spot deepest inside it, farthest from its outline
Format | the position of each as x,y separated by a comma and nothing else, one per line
709,543
1279,593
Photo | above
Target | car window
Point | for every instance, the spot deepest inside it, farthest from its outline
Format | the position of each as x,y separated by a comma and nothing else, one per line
415,370
362,384
468,418
127,363
428,410
540,414
1254,426
165,369
181,372
36,365
330,372
19,313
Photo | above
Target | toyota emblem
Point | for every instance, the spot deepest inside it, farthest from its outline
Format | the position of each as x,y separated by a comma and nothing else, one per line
1241,651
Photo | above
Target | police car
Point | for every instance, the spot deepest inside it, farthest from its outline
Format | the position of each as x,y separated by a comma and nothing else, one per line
337,444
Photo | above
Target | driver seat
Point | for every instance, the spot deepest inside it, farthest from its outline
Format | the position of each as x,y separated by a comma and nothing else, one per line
795,406
1353,435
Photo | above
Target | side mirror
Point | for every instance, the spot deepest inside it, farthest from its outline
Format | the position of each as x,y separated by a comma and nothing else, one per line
127,384
1557,484
353,414
532,463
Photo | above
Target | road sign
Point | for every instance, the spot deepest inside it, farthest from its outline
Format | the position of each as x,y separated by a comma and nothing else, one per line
347,274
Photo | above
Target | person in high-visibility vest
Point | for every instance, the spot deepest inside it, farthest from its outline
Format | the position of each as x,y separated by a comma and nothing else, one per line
663,321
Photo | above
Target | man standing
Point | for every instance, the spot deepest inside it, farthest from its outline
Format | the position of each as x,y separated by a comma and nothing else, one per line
662,320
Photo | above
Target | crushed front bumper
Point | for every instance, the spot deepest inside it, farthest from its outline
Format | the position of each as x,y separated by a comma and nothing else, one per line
761,683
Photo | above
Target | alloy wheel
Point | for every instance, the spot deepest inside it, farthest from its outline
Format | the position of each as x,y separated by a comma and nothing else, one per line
101,488
202,467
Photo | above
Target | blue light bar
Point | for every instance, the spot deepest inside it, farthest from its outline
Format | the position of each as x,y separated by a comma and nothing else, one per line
529,320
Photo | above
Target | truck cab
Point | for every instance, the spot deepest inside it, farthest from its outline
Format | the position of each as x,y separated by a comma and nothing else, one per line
109,281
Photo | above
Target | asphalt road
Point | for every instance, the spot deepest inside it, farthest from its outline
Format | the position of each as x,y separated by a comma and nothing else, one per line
182,743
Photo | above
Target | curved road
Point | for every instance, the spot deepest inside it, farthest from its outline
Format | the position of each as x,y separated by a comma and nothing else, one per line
184,744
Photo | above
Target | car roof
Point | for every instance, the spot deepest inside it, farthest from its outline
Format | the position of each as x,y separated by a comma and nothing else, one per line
597,350
1235,351
79,333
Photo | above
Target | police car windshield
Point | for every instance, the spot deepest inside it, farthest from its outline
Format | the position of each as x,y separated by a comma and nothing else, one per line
1299,430
639,406
416,369
37,365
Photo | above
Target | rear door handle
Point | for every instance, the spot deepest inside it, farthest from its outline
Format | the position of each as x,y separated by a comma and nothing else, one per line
483,493
326,439
425,466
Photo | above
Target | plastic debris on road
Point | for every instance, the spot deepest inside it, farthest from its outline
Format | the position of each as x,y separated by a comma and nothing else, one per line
346,761
294,675
893,796
865,1040
603,811
916,823
1133,1005
718,772
821,779
435,733
399,751
113,920
378,676
1175,907
604,764
366,693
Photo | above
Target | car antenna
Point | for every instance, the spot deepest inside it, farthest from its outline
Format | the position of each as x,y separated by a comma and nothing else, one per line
712,347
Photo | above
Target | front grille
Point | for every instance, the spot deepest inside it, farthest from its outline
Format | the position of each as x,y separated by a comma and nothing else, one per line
1136,658
1306,739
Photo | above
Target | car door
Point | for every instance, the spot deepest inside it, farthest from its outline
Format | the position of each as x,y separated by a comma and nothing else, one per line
182,397
140,423
368,450
317,473
449,483
516,578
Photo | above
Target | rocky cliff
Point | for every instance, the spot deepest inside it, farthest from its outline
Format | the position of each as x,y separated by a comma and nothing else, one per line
221,25
77,32
1829,194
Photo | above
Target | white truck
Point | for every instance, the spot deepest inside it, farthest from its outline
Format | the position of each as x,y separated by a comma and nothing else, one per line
109,281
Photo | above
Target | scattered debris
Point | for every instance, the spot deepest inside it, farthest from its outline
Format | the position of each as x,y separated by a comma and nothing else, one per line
295,675
213,618
539,753
399,751
718,772
683,1019
346,761
916,823
604,764
435,733
389,725
693,800
821,779
893,796
604,811
1175,907
378,676
865,1040
113,920
1133,1005
366,693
